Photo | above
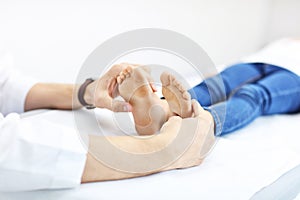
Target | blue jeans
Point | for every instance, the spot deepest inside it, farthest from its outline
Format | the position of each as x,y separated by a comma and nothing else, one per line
250,90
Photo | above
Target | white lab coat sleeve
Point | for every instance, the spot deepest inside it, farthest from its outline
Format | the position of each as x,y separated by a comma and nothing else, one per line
14,89
38,155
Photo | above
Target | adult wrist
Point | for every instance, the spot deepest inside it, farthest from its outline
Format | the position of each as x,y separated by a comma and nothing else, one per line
85,95
88,95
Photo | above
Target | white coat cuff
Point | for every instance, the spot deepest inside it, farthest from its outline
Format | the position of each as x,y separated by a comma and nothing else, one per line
15,92
70,162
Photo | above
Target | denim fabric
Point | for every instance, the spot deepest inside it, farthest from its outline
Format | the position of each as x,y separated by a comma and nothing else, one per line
250,90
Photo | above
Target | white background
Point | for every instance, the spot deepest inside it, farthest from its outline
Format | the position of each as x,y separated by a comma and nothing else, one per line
51,39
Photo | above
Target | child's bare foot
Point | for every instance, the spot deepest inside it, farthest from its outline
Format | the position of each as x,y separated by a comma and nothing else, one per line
149,112
197,127
135,82
177,97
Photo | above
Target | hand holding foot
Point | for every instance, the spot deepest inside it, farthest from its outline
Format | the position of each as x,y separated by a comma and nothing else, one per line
196,121
101,92
136,87
201,127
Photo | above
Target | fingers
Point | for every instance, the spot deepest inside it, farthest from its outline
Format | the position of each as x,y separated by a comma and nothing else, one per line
173,124
104,100
108,88
196,107
120,106
116,69
113,87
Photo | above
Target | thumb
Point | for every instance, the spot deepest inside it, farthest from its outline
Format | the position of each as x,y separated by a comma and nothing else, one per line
120,106
196,107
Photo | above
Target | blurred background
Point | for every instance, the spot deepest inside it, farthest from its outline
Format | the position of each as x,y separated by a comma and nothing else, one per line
50,40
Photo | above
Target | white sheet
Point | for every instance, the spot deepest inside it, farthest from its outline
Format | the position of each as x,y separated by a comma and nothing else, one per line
240,165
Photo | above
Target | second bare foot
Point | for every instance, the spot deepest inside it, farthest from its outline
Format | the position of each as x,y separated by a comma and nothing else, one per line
177,96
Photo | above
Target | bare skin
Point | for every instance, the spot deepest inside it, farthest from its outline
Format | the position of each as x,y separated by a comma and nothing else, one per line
200,127
176,95
51,95
59,96
149,111
100,93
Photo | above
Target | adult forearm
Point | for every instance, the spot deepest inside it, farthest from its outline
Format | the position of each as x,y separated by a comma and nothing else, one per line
50,95
200,143
100,93
98,171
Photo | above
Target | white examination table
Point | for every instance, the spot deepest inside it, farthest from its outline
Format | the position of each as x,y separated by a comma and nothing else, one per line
261,161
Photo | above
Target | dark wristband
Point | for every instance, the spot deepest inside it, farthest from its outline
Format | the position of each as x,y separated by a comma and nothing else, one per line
81,92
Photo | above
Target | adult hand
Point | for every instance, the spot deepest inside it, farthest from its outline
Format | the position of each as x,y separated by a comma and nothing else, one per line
200,130
101,93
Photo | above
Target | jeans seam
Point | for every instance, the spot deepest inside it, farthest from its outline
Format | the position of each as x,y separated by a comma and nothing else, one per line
284,93
241,123
252,80
218,122
261,102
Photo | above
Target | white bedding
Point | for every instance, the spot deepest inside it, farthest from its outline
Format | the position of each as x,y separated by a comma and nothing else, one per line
240,165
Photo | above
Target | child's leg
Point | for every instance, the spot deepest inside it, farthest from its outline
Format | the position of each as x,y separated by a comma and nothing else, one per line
277,93
233,78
